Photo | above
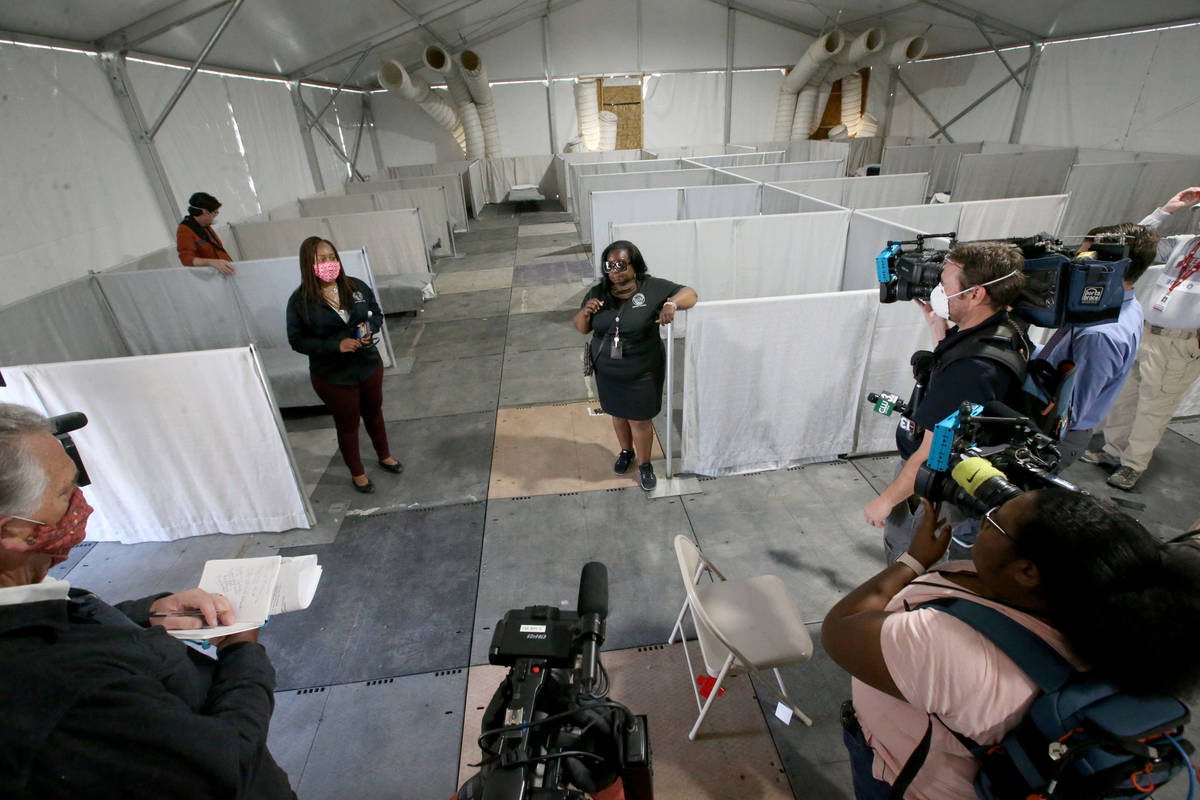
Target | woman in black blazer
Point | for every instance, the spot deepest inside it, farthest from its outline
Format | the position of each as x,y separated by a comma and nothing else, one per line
333,318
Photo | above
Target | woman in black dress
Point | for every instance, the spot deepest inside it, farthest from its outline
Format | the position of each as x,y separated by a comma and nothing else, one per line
622,313
333,319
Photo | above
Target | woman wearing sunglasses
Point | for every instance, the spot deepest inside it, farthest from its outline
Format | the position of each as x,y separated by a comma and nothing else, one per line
1077,572
623,312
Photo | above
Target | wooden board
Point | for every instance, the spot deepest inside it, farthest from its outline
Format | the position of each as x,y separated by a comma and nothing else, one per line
626,103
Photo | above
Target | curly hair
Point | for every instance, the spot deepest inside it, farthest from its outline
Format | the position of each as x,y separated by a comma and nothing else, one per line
1128,605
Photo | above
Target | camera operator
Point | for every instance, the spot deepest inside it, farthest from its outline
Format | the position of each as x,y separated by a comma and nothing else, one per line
98,701
1102,354
1168,361
1071,568
983,357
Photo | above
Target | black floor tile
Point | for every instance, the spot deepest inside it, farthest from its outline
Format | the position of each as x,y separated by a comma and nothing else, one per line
438,341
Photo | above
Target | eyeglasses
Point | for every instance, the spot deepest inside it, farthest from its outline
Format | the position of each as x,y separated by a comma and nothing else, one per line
992,522
615,266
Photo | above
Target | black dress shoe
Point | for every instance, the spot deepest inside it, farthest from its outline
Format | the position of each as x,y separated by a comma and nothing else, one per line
366,488
624,459
396,468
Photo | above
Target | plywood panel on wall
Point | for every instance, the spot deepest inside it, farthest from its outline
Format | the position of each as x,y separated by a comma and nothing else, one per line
626,103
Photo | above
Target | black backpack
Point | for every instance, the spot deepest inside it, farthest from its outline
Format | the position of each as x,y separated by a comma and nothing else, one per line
1082,739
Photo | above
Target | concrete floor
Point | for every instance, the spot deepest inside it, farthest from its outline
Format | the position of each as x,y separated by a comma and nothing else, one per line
382,680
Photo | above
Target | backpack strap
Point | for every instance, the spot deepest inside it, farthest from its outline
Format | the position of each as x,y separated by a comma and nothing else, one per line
1036,658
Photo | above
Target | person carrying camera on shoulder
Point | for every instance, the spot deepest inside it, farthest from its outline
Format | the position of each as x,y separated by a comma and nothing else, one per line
982,356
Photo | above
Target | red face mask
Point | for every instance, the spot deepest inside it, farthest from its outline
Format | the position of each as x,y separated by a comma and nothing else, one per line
57,539
327,270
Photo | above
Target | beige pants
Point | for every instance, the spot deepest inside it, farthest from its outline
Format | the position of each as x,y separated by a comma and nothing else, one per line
1165,368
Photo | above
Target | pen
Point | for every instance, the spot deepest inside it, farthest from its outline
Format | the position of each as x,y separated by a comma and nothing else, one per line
176,613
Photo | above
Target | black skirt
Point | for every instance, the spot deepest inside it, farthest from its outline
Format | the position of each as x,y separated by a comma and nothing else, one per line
637,397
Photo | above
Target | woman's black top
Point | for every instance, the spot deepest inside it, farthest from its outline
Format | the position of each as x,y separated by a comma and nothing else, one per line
316,330
641,349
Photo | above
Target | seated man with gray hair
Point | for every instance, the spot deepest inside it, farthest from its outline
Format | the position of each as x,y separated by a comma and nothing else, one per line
100,701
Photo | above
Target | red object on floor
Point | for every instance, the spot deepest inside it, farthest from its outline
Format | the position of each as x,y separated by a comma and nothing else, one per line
706,684
614,792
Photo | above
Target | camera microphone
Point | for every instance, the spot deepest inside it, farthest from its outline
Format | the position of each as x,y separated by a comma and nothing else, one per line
592,610
65,423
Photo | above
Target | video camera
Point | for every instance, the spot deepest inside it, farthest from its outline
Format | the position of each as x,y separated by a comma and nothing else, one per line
1061,286
982,456
549,726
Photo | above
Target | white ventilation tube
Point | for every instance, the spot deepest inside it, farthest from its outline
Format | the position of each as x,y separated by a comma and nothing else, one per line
909,49
868,125
608,131
805,121
477,82
438,60
852,86
867,43
394,78
587,109
818,53
473,131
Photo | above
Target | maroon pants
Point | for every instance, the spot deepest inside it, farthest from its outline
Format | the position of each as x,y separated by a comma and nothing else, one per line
347,404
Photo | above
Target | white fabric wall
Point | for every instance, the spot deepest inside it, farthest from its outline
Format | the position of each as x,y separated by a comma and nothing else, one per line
407,135
683,108
746,257
1022,216
758,395
899,331
451,184
774,173
867,192
984,176
213,433
393,238
867,236
939,160
270,135
522,116
947,87
781,201
700,202
77,198
589,185
754,94
1104,194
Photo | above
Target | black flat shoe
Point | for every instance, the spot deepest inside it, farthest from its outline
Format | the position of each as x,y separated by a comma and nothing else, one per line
396,468
624,459
366,488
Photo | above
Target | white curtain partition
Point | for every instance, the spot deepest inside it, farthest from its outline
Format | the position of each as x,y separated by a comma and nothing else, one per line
939,160
781,201
899,331
746,257
576,171
867,236
501,174
985,176
739,159
773,173
981,219
867,192
1108,193
394,238
70,322
197,449
759,395
452,185
564,161
703,202
431,201
589,185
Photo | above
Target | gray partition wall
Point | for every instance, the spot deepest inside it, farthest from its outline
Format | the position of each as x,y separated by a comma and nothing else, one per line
431,201
939,160
453,184
71,322
1113,192
987,176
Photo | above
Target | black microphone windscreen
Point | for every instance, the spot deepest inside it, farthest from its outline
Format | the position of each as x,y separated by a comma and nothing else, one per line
65,423
593,590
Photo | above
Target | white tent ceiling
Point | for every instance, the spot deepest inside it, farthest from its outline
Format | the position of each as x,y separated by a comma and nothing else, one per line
322,41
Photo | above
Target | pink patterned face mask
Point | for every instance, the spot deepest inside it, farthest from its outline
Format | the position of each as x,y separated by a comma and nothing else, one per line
57,539
327,271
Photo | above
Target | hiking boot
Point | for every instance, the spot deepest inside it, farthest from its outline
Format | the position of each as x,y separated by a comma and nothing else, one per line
1125,478
624,459
646,477
1099,457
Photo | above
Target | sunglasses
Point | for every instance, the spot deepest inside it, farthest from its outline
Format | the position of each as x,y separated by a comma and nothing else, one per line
992,522
615,266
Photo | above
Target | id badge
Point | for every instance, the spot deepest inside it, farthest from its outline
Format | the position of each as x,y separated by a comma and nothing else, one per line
1162,301
615,351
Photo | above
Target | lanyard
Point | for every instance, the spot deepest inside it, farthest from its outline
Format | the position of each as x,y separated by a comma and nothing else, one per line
1188,266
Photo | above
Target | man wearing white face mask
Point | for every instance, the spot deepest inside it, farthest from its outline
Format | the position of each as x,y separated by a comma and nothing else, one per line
98,700
981,358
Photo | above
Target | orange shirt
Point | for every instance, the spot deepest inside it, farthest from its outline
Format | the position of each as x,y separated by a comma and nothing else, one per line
191,246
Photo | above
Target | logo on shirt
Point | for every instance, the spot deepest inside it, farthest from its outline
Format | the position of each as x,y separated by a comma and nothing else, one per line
638,300
1092,295
358,297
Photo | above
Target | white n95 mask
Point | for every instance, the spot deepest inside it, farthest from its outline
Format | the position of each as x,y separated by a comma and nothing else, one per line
939,301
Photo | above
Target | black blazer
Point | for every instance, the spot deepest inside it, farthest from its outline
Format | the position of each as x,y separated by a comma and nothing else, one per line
316,330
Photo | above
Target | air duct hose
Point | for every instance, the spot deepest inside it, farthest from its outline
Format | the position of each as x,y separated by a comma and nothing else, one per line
477,82
818,53
438,60
608,130
394,78
587,110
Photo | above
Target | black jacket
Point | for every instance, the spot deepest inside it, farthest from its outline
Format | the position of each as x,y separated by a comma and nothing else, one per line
98,705
316,330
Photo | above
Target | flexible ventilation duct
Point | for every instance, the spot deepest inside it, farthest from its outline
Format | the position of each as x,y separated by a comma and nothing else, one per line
867,43
909,49
805,121
868,125
477,82
587,109
838,133
818,53
608,131
852,86
394,78
438,60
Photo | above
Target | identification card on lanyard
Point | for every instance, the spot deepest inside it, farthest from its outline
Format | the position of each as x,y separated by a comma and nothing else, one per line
615,351
1188,266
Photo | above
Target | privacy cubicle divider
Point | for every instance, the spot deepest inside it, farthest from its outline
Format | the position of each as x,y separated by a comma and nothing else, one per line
175,457
590,184
1112,192
394,239
670,203
501,174
469,171
865,192
456,200
166,257
981,219
939,160
791,171
563,162
740,159
782,201
1028,173
576,171
431,202
70,322
743,257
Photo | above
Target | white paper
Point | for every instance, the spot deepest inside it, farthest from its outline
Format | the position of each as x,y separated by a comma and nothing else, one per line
784,713
297,584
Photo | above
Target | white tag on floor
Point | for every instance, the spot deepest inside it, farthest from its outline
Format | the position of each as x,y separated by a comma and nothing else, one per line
784,712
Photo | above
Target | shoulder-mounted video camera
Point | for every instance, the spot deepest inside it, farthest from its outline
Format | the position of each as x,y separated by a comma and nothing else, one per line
1061,286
